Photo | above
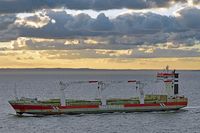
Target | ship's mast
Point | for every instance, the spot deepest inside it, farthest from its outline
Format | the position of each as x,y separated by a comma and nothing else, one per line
102,86
141,94
15,92
63,86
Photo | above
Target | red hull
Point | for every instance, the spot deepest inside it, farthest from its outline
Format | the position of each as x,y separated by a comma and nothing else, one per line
51,109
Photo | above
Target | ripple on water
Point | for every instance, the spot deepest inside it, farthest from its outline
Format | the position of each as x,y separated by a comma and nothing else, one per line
183,121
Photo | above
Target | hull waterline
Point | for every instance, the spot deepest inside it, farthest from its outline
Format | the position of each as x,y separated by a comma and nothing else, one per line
38,109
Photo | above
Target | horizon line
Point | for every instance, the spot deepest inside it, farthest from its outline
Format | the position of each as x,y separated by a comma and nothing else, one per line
94,69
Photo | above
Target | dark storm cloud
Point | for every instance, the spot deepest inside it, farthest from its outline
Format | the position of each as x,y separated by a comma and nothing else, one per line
147,23
17,6
6,20
127,29
137,35
8,29
71,26
136,24
190,18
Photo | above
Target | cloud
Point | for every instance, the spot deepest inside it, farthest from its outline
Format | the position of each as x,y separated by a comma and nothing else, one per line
17,6
190,18
195,1
25,58
82,25
156,52
37,20
119,54
59,44
123,32
57,49
66,25
6,21
8,29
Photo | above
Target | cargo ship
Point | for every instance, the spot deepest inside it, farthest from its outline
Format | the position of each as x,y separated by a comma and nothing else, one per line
170,100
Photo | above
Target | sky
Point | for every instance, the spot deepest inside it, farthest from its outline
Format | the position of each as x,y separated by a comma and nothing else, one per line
100,34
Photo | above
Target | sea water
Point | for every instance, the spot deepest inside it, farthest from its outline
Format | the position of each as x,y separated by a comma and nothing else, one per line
44,84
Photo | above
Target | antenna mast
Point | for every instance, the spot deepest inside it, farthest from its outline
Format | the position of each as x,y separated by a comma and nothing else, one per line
15,92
